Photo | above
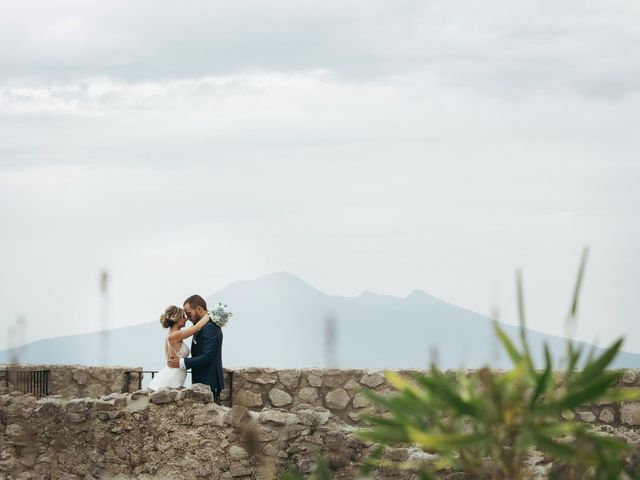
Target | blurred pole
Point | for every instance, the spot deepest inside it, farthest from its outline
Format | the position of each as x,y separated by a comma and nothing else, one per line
21,339
330,340
11,336
433,357
104,332
494,345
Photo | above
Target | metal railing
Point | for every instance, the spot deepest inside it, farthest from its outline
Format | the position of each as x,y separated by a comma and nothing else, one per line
140,373
35,382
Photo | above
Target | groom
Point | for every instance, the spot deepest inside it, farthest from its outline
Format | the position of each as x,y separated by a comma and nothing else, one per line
206,349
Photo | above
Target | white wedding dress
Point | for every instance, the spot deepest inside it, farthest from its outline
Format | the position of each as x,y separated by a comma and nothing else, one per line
171,377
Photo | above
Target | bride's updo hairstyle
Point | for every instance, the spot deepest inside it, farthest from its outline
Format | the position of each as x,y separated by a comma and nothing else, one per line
171,316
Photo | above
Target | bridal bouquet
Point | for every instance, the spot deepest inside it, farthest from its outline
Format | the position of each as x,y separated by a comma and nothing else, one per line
220,314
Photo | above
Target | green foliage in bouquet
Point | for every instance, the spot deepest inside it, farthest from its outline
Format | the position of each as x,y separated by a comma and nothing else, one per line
486,424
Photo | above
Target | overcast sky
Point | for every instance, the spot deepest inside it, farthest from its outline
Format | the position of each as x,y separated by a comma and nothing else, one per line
361,145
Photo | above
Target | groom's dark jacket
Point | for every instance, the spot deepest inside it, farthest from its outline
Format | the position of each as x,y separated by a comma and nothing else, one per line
206,357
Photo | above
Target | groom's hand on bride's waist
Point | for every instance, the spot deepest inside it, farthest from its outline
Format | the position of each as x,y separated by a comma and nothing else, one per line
173,363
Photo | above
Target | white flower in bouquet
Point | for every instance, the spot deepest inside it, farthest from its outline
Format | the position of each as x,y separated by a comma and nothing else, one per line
220,314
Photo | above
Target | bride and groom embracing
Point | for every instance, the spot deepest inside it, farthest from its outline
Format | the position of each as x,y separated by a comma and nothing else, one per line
205,361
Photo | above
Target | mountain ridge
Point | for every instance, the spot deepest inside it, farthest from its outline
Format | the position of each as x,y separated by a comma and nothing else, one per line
281,321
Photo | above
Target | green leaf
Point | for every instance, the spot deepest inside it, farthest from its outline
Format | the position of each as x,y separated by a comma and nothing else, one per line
543,379
590,393
321,470
574,356
372,461
444,441
384,430
558,428
507,344
622,395
559,450
425,476
391,404
573,309
442,387
594,368
292,476
523,331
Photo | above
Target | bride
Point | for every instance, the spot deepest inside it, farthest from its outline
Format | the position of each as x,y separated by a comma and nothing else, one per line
175,319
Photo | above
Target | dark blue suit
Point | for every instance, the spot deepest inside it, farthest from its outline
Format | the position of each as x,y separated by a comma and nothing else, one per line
206,358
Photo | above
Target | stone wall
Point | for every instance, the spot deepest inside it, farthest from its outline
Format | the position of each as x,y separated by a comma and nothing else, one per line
76,380
177,434
183,434
339,391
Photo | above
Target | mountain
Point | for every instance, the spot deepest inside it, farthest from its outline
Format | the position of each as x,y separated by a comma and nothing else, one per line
281,321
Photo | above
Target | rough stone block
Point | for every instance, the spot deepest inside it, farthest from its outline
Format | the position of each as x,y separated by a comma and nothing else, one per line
163,396
266,379
568,415
290,379
197,393
630,414
236,415
352,385
337,399
213,414
119,399
14,431
587,416
279,418
335,378
248,399
372,380
606,415
78,409
630,377
314,380
140,393
237,453
308,395
240,470
49,407
361,401
279,398
138,405
80,376
314,418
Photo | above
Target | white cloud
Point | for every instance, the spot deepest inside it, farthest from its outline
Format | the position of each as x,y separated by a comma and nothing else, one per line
538,46
363,145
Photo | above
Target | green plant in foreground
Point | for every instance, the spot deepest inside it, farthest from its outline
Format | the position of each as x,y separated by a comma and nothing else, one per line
487,424
321,470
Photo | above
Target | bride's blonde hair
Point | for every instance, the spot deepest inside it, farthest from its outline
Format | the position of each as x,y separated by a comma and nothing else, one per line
171,315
